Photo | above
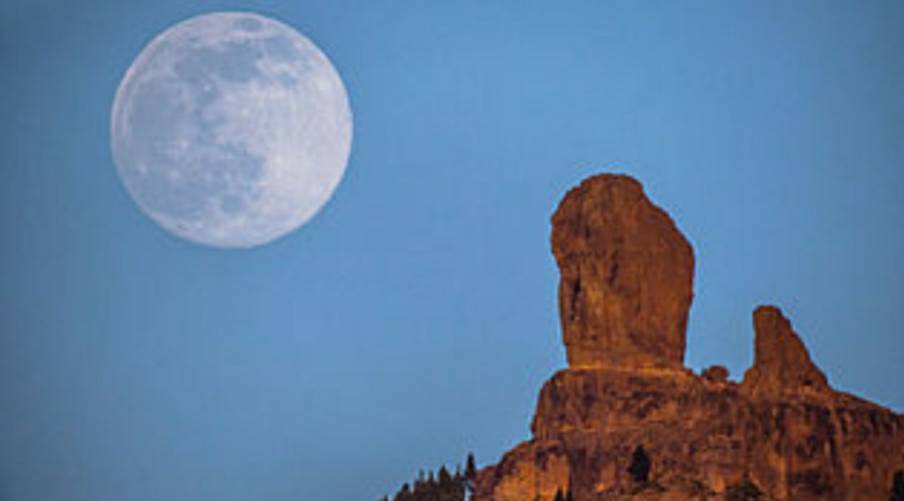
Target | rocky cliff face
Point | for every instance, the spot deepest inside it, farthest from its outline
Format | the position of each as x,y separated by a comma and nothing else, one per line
625,291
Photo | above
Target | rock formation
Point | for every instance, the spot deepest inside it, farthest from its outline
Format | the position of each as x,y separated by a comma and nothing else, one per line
625,291
715,374
781,361
626,276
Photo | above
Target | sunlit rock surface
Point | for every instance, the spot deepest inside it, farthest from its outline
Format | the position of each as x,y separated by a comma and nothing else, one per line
783,430
781,363
626,276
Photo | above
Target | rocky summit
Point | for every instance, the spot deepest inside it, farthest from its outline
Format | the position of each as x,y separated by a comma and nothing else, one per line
627,420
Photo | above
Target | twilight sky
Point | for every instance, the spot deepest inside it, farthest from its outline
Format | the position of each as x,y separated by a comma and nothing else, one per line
414,319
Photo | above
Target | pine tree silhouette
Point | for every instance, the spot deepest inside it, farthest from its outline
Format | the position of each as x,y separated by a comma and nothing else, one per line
442,486
470,467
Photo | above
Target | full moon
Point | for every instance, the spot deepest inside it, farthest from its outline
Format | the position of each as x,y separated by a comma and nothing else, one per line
231,129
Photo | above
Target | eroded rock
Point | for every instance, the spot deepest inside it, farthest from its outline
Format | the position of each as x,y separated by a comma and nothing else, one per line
715,374
701,440
781,362
626,276
624,296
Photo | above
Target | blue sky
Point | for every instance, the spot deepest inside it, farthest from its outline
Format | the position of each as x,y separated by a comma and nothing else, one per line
414,319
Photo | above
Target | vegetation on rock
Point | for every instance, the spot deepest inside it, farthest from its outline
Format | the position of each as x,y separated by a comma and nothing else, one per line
443,486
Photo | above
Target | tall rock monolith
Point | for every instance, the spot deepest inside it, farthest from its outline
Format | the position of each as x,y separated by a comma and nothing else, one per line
626,276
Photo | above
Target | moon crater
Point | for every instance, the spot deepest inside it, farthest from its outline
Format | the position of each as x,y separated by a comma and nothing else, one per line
231,129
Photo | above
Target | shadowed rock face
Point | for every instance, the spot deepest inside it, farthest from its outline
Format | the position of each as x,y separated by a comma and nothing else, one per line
626,276
624,297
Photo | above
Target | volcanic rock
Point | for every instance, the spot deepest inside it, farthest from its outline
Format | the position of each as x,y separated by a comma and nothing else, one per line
715,374
781,363
624,297
626,276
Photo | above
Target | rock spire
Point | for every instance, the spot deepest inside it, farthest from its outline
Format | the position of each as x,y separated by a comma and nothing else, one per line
781,363
626,276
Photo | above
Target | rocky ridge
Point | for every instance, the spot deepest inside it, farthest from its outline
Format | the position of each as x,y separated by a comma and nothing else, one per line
624,296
